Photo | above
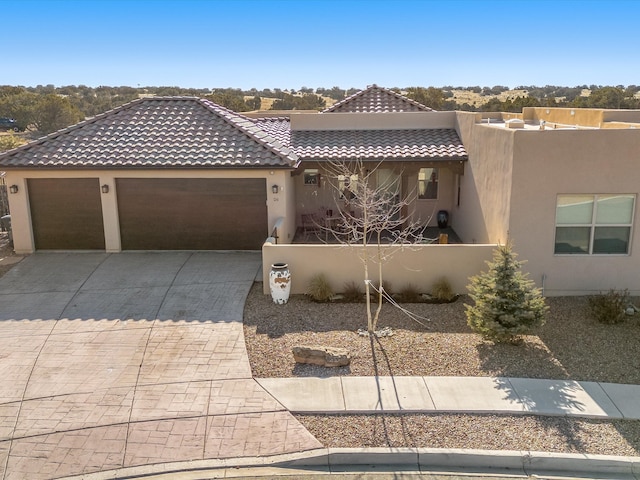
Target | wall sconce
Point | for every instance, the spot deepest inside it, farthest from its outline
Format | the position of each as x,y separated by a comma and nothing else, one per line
105,188
13,188
275,188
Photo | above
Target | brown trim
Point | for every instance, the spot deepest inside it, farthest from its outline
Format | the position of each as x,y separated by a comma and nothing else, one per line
31,168
457,166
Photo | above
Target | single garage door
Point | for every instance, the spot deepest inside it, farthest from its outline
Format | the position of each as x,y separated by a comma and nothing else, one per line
66,213
192,213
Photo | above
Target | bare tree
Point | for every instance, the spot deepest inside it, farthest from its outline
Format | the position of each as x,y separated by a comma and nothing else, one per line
371,213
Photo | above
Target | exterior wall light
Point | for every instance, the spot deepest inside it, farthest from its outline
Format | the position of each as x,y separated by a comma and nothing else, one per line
275,189
13,188
105,188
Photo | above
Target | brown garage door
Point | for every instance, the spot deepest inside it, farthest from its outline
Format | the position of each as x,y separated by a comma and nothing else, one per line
66,213
192,213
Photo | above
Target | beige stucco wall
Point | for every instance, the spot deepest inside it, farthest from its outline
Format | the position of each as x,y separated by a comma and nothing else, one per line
485,187
567,116
548,163
373,121
628,116
584,117
278,205
419,265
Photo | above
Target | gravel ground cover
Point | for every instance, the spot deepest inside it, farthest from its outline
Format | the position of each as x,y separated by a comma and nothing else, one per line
485,432
570,346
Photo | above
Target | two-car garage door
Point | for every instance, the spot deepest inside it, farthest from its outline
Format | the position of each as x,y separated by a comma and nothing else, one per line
154,213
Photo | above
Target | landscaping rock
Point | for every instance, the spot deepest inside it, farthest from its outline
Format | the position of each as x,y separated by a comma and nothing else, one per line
321,355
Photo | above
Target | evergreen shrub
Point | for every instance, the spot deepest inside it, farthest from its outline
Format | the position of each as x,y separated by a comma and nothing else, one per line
507,304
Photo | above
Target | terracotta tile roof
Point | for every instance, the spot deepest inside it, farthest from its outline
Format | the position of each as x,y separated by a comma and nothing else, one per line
157,132
278,127
376,99
433,144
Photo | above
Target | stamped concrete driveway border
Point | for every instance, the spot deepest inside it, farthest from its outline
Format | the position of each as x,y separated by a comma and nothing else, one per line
110,361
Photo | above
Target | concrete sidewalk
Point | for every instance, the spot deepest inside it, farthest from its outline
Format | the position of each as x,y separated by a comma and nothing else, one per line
455,395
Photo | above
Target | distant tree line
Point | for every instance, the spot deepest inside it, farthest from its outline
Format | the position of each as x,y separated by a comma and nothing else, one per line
46,108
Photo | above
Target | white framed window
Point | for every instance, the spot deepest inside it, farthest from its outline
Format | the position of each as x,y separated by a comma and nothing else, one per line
428,184
594,224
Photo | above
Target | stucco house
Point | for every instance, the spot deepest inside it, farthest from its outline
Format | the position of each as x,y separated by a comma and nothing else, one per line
562,184
413,150
155,174
186,174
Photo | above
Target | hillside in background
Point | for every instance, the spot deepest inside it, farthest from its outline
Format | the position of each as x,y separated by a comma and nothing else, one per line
45,109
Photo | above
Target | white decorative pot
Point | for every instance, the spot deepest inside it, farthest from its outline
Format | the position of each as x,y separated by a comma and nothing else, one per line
280,283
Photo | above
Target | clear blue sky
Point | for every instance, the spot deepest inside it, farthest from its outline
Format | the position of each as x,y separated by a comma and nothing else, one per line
314,43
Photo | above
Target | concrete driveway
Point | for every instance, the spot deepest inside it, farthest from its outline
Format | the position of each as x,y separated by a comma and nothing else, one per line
109,361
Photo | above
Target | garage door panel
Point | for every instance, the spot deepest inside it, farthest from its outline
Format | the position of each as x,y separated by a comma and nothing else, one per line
192,213
66,213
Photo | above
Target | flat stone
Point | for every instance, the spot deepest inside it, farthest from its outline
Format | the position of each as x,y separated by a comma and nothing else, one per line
321,355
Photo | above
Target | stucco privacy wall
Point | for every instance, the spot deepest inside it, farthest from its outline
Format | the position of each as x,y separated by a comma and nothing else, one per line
278,205
551,162
485,187
419,265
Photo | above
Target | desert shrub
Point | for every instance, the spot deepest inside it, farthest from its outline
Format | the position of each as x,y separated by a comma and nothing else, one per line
410,294
352,292
7,142
609,307
319,288
442,290
507,304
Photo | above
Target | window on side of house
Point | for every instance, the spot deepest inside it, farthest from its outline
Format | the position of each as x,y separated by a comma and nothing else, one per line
428,184
311,177
594,224
347,185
